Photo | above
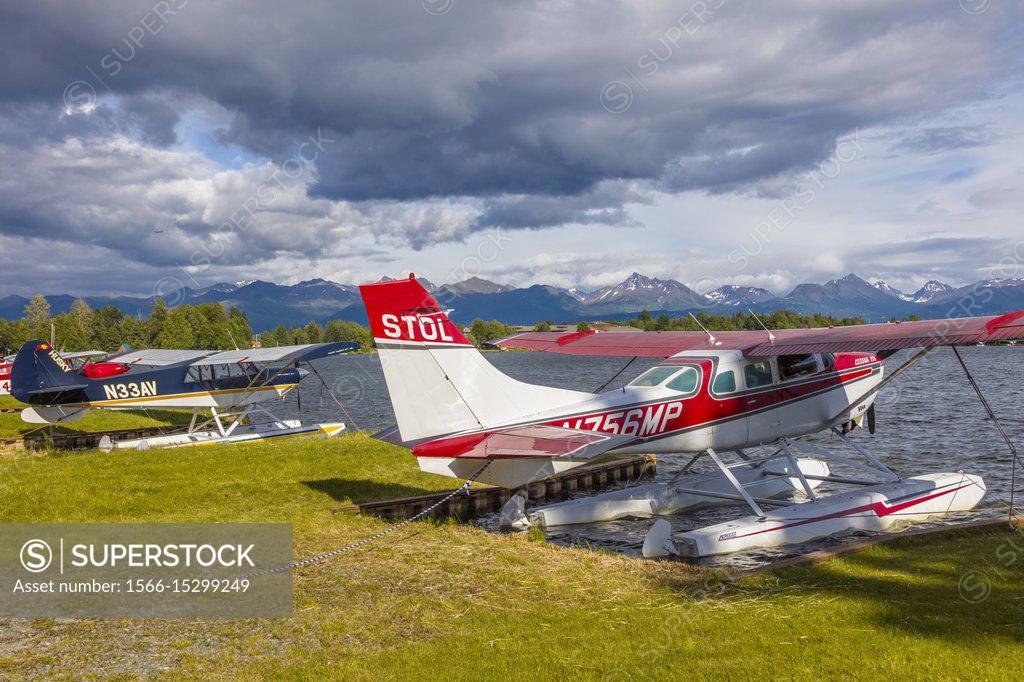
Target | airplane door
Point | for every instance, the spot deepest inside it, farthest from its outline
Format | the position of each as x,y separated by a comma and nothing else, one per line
759,401
730,429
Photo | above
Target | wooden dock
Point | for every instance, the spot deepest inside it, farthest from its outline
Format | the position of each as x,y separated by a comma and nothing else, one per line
41,440
490,499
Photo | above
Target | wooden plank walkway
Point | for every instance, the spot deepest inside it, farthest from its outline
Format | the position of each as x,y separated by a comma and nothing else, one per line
490,499
87,441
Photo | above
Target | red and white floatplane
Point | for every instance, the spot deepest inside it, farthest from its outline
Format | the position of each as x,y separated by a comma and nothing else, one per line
750,395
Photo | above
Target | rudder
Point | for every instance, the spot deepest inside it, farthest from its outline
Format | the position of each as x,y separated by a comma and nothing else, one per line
439,383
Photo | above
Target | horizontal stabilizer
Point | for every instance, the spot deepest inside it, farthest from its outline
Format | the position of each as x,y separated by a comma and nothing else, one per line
56,414
390,435
53,390
515,442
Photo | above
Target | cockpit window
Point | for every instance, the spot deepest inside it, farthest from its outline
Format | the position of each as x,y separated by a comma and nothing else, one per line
793,366
654,376
725,382
758,373
685,381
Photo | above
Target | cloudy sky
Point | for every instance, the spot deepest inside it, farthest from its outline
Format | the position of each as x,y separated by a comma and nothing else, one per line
724,141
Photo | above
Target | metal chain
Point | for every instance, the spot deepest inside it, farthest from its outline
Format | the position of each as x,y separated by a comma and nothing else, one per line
355,545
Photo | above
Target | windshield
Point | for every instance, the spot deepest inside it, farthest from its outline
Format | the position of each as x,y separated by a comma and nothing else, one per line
654,376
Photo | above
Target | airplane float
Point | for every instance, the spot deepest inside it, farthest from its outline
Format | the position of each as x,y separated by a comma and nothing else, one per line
714,392
232,385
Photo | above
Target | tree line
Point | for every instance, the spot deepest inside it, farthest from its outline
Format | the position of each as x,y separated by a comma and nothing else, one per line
780,319
478,332
206,326
209,326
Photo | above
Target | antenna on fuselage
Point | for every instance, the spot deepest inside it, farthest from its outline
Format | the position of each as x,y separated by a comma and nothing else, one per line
711,337
771,337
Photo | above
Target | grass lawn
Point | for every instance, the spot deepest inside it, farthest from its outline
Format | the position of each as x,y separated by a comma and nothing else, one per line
11,424
9,401
438,600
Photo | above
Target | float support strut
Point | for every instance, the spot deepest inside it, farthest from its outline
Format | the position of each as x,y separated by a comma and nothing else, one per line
736,484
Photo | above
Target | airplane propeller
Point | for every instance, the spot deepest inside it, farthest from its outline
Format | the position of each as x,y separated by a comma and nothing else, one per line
871,419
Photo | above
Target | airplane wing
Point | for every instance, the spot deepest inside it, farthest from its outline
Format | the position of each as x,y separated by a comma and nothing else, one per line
865,337
525,441
158,357
84,354
302,353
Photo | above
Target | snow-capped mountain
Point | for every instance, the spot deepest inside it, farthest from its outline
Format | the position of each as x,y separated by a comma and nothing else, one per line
932,290
647,292
426,283
1004,282
892,291
578,294
475,285
268,304
733,295
219,288
319,285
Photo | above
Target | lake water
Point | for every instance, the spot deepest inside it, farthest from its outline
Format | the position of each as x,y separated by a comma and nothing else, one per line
928,420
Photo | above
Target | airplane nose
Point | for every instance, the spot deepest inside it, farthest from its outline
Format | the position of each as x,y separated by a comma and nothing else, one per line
303,373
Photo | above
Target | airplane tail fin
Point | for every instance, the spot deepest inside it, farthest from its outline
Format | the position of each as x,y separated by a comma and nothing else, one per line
438,381
41,376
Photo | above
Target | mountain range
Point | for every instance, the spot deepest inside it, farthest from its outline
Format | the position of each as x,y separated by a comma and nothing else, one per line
268,305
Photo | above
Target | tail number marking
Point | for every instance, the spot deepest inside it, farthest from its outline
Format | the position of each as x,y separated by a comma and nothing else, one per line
135,389
429,329
639,421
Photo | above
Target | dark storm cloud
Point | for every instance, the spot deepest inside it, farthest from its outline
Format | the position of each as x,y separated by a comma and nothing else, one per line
494,104
600,206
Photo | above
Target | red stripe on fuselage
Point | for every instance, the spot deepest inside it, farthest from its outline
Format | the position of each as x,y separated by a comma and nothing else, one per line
662,418
670,415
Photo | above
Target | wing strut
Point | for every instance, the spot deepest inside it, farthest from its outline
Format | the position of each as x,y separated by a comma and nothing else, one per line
999,427
878,387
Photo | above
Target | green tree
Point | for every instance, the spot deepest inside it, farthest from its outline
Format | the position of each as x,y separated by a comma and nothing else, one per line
342,331
37,315
483,331
238,324
176,331
106,326
276,337
10,339
583,326
210,327
314,333
542,327
69,334
82,314
154,326
133,333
